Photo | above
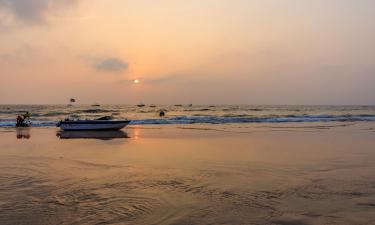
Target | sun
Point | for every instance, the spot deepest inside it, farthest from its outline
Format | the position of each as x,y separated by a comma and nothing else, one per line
136,81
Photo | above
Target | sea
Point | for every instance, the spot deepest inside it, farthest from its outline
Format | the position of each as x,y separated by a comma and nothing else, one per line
49,115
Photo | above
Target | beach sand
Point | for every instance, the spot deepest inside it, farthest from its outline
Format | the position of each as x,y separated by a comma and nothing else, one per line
304,173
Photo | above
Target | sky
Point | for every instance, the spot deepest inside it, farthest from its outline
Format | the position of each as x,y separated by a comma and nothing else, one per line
196,51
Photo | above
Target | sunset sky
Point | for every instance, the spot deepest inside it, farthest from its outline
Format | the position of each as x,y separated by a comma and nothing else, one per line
195,51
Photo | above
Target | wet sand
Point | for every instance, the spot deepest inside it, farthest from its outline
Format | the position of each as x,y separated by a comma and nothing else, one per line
192,174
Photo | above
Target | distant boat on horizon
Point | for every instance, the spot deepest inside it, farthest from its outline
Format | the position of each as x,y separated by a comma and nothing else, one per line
141,105
71,100
152,106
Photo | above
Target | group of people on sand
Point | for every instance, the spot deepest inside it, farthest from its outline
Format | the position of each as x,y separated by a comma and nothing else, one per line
21,119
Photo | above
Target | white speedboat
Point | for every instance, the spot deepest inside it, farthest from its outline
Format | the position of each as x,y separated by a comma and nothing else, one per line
104,123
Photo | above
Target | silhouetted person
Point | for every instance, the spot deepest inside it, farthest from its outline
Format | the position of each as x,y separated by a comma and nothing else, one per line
162,113
19,121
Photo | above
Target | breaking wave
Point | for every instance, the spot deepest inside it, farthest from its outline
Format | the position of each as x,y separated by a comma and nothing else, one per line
93,111
249,119
49,115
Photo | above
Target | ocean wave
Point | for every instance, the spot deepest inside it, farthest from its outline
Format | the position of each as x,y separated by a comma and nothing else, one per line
250,119
226,119
236,115
93,111
254,109
50,114
34,123
12,111
198,110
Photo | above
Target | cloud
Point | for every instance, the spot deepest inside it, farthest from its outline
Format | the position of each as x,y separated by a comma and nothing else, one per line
21,55
165,79
30,11
112,65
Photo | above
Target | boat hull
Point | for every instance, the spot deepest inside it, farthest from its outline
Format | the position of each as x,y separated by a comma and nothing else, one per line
93,125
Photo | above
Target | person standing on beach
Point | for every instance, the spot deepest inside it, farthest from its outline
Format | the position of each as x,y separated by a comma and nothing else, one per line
19,120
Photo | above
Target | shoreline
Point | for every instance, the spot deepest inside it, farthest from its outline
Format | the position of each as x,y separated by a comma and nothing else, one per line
230,127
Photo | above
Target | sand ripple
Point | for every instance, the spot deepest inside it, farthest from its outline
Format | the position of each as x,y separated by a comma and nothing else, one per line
63,191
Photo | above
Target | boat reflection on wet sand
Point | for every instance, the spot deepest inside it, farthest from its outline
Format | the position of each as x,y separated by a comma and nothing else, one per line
102,135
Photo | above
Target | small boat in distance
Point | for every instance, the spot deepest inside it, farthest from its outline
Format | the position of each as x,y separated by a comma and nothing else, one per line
141,105
71,100
152,106
103,123
179,105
